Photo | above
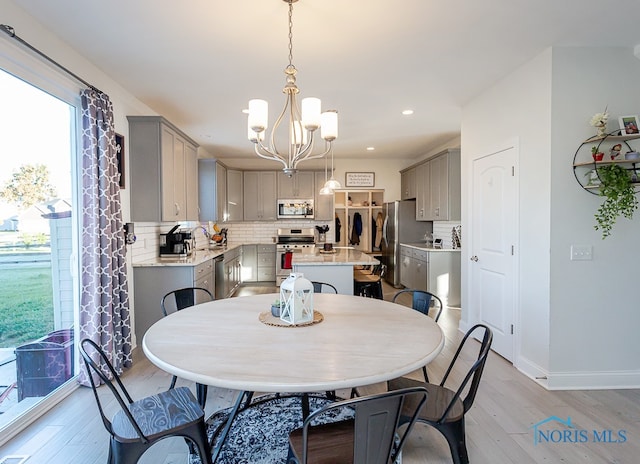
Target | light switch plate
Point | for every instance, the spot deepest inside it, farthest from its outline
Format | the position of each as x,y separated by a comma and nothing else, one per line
581,252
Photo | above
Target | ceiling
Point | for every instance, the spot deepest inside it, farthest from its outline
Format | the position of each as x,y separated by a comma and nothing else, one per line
198,62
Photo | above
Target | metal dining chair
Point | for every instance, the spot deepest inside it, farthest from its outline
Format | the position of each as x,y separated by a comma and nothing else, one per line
179,299
421,301
319,287
446,408
139,424
371,437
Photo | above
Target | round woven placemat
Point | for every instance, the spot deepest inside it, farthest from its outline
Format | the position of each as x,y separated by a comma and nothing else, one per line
267,318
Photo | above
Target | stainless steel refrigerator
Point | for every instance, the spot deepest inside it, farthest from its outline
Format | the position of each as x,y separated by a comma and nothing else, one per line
400,226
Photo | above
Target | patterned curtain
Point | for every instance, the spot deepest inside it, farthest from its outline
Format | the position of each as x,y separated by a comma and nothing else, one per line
104,300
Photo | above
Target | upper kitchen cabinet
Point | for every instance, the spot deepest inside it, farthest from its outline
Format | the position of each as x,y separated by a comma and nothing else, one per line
299,185
212,187
164,171
438,187
260,195
408,184
235,205
323,204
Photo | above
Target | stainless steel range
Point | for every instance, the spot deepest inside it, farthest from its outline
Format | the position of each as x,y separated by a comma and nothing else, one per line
292,241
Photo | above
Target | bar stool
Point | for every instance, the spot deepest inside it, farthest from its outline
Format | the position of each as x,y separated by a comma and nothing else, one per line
369,285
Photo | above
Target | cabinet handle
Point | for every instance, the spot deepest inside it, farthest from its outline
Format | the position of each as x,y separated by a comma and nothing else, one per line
474,259
177,208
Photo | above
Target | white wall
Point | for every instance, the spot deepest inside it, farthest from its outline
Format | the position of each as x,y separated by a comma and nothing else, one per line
594,304
577,320
516,110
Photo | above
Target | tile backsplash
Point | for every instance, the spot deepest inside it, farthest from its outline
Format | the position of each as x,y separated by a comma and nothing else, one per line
147,234
443,229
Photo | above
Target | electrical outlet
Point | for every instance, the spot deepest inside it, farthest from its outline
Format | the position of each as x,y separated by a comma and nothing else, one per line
581,252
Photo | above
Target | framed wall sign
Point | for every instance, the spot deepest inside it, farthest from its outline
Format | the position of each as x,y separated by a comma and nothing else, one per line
359,179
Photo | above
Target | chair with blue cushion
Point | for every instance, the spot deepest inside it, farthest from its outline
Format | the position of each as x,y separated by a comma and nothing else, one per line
139,424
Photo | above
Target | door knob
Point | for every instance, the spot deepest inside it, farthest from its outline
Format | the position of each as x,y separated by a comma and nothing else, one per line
474,259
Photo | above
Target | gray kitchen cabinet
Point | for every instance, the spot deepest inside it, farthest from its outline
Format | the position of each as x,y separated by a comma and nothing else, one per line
413,268
259,195
151,283
438,187
221,192
259,263
444,187
300,185
249,263
423,201
323,204
232,271
266,263
408,184
235,205
163,167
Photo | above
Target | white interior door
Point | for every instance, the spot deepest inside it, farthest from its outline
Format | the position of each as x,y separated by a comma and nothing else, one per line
492,271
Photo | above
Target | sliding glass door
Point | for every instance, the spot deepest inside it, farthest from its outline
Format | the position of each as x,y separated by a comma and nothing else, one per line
38,234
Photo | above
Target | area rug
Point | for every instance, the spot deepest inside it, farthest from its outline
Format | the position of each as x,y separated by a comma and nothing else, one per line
260,433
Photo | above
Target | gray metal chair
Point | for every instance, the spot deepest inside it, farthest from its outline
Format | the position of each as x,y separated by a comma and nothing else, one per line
446,408
179,299
421,301
371,437
139,424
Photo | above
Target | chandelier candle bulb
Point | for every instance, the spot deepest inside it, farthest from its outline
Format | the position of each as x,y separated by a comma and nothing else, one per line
329,125
258,115
311,113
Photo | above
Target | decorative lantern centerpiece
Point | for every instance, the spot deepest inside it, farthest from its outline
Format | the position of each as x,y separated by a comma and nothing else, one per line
296,299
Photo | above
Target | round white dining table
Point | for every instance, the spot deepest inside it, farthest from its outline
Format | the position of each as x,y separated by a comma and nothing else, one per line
360,341
224,343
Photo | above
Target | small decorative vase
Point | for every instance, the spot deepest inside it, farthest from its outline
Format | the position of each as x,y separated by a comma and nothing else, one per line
602,130
275,310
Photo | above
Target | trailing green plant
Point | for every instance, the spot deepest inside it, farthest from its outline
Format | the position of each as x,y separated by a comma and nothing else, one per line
620,197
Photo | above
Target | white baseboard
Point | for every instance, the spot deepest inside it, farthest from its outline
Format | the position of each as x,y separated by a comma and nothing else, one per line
609,380
605,380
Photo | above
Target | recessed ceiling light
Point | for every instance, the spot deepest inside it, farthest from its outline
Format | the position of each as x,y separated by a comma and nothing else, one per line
407,112
371,148
245,111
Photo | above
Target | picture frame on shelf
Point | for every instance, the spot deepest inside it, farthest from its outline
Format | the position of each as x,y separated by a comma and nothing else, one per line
629,125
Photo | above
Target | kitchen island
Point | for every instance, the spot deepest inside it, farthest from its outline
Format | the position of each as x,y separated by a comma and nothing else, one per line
334,268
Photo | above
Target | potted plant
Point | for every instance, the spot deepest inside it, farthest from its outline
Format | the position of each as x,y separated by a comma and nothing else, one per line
597,156
620,197
275,308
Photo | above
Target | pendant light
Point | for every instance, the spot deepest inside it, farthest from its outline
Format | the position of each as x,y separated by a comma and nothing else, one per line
332,183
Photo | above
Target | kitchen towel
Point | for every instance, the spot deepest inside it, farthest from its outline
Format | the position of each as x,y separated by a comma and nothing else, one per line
286,259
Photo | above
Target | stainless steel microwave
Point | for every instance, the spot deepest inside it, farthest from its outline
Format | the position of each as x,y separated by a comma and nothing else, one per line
295,209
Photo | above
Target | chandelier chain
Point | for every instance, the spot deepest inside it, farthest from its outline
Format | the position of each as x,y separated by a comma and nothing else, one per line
290,33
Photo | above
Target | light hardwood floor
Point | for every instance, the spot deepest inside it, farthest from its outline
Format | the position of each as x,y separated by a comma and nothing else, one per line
499,426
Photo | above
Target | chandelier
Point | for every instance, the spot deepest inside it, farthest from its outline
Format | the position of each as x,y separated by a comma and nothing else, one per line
301,126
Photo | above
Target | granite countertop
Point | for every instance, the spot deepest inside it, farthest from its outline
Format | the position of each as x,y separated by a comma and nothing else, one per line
423,246
341,257
199,256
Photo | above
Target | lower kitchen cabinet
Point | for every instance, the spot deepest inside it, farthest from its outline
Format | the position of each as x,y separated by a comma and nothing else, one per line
259,263
232,271
151,283
435,271
266,263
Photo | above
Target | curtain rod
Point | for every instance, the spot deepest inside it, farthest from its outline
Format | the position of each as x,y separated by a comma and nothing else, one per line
10,31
